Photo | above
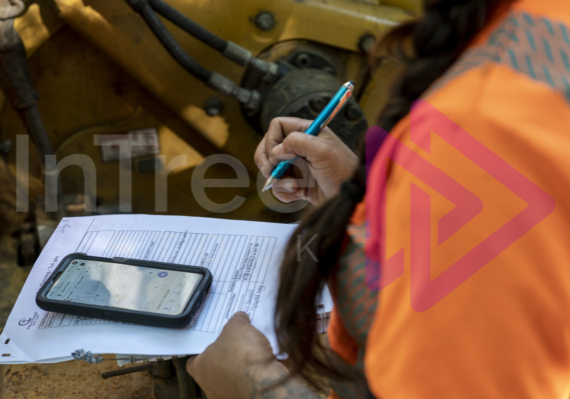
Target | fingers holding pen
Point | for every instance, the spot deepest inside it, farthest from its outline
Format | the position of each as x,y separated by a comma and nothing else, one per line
302,145
278,130
262,159
288,190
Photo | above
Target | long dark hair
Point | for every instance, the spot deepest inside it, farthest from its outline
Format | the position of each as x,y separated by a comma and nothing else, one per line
428,46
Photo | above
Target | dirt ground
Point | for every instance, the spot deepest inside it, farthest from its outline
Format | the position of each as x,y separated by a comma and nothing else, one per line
67,380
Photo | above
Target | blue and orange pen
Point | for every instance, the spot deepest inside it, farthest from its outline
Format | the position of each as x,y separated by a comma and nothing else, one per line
326,115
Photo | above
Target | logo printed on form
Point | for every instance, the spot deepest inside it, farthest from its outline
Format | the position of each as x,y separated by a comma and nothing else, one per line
425,292
25,321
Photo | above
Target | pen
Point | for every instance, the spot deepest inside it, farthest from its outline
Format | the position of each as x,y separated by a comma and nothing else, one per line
326,115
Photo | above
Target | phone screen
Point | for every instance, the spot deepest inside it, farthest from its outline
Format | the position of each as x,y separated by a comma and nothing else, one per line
123,286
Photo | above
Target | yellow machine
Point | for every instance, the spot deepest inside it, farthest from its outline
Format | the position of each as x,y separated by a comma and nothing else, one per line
100,71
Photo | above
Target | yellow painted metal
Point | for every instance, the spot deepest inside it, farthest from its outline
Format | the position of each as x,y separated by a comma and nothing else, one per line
376,92
37,25
413,6
99,69
121,33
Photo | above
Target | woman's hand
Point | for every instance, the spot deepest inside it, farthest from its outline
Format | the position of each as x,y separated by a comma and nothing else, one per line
240,364
326,163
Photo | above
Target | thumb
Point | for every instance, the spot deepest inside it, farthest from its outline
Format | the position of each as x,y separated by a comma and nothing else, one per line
240,317
190,364
301,144
238,321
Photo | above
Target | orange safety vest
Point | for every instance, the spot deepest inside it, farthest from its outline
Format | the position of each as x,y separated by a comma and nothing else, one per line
468,226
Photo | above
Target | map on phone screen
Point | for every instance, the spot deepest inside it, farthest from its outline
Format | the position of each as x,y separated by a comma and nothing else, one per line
123,286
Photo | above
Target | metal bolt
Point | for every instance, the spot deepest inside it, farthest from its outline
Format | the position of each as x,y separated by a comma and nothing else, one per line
353,113
264,21
303,60
317,104
366,43
214,106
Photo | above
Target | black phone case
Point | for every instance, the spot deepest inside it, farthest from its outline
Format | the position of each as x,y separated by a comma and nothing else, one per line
130,316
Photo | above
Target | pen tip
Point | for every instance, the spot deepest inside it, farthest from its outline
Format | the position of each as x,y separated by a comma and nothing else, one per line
349,85
268,184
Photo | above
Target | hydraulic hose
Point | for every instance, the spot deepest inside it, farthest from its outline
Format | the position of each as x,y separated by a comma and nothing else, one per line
17,87
164,36
35,126
229,49
186,24
220,83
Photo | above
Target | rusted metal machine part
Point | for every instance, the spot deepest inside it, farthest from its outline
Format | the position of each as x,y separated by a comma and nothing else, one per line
18,89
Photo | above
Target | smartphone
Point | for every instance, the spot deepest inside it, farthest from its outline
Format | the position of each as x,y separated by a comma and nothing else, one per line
135,291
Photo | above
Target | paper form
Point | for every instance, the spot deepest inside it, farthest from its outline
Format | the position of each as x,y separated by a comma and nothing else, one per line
244,259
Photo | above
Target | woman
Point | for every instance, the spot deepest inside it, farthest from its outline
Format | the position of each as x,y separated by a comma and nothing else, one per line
466,210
